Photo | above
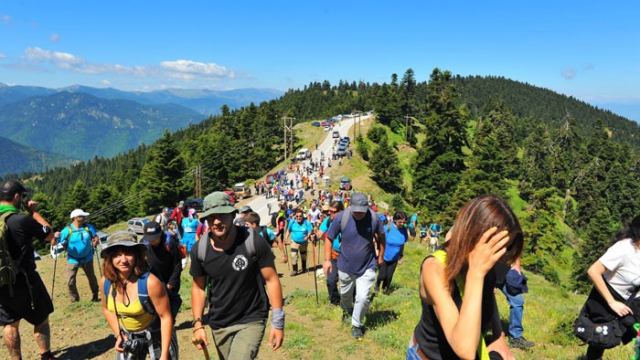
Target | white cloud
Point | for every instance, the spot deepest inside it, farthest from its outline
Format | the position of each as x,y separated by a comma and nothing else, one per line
568,73
2,56
60,59
105,82
5,19
188,69
54,37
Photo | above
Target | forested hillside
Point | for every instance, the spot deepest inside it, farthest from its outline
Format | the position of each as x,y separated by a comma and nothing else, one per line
19,158
569,169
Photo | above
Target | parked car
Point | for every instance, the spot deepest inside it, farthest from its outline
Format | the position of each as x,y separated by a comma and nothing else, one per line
303,154
346,138
325,124
241,191
195,203
315,123
336,134
136,225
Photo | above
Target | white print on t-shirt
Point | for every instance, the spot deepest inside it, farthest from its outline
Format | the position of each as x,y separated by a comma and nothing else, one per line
239,263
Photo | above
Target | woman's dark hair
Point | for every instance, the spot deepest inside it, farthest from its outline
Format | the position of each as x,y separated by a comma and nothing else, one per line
338,205
399,215
631,231
141,265
476,217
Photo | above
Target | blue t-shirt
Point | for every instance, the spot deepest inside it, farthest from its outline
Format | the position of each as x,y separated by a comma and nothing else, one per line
357,253
78,243
413,220
190,226
324,227
270,234
299,231
435,229
395,242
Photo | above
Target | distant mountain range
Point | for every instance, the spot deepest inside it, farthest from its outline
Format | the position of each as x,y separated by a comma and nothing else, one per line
80,122
206,102
16,158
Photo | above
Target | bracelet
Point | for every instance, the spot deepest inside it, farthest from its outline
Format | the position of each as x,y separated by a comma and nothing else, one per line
193,323
277,318
198,328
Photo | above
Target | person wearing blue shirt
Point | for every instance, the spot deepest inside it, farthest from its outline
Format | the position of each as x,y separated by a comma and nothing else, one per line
80,238
413,224
434,235
332,277
252,220
396,235
298,232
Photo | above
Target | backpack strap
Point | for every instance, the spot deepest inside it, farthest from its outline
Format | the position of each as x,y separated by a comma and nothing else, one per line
250,244
105,288
143,294
203,242
346,214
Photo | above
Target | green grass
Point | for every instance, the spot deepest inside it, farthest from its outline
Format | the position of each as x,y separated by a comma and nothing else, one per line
549,313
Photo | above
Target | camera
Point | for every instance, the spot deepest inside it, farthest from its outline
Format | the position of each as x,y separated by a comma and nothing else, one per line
135,347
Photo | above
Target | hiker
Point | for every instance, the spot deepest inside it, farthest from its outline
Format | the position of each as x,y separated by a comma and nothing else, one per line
313,215
27,297
241,281
513,284
177,215
298,232
423,231
163,218
357,261
281,225
79,239
460,317
395,236
616,276
135,302
412,224
434,234
242,212
253,221
332,278
165,261
189,228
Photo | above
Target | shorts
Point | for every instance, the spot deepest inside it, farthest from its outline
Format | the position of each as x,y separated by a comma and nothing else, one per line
20,307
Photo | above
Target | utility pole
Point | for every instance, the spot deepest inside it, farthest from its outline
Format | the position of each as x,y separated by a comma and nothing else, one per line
287,125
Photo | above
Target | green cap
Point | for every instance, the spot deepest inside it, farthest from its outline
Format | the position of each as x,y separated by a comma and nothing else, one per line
120,238
216,203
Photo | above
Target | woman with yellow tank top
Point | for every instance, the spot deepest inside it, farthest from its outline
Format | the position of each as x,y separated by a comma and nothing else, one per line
135,302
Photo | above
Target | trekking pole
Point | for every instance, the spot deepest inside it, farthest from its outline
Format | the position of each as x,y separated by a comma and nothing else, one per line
55,263
98,260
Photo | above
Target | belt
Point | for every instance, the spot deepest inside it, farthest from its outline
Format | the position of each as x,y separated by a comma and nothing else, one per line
419,351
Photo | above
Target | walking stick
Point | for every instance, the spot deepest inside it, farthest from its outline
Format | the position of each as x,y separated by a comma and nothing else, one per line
55,263
195,341
98,260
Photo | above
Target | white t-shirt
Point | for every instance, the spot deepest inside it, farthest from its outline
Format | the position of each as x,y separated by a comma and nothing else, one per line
314,215
622,263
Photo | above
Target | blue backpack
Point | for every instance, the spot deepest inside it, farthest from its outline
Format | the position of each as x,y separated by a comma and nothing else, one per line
143,292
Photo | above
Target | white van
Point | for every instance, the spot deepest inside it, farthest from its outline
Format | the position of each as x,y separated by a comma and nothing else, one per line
304,154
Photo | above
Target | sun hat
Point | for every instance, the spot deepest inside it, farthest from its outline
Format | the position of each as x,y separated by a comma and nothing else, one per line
120,238
216,203
78,212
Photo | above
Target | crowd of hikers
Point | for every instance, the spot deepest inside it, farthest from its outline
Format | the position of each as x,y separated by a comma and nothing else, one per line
236,291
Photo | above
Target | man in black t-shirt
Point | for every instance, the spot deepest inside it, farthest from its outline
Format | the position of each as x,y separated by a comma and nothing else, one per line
28,298
237,266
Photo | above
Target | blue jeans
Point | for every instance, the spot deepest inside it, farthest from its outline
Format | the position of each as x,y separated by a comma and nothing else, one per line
516,311
412,350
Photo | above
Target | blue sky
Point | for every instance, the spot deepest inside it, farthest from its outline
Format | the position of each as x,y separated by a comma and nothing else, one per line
588,49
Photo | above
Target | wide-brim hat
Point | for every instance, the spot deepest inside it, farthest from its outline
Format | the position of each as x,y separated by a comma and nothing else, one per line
120,238
217,202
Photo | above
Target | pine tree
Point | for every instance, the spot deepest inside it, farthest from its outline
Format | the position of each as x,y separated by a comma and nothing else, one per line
597,238
440,161
78,197
160,179
384,167
535,168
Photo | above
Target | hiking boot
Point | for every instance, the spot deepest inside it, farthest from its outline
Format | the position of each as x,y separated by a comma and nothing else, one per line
95,298
357,332
520,343
48,356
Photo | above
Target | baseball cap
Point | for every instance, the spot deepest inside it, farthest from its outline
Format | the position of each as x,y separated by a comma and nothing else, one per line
151,230
12,187
245,209
78,212
359,202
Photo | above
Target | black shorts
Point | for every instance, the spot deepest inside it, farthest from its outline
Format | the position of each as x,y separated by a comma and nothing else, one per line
20,307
